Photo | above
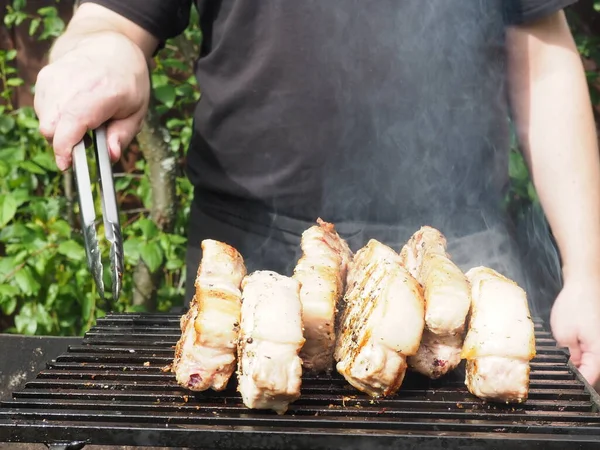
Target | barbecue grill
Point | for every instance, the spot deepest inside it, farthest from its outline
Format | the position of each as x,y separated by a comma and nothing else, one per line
113,389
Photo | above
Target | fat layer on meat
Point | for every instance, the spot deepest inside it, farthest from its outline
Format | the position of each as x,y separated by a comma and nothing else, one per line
271,337
447,302
206,352
500,341
321,272
382,322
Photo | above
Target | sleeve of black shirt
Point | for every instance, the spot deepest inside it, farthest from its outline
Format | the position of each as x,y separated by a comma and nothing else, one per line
519,12
162,18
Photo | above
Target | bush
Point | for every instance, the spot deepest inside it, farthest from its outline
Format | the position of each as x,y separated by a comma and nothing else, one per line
45,284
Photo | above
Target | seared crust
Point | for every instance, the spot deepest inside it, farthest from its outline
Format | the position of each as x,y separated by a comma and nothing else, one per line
205,355
447,299
500,341
321,272
382,322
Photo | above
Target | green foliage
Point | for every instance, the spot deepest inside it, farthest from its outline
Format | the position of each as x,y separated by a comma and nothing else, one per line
45,284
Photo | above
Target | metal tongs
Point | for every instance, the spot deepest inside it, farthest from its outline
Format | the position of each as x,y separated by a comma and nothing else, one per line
112,227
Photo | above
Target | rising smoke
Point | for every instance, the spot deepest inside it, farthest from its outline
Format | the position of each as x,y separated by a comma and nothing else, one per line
394,115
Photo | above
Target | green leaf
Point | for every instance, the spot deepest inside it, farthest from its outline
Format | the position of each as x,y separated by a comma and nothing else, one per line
32,167
174,264
152,255
159,80
148,228
4,169
177,239
25,324
9,19
26,281
21,196
28,122
72,250
7,123
14,82
53,290
7,290
517,168
532,193
53,27
33,26
47,11
165,94
61,227
8,208
11,54
8,305
42,318
45,160
12,154
175,64
18,5
131,249
16,231
6,266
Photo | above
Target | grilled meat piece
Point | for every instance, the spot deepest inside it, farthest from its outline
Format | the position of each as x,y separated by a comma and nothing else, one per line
437,354
500,340
321,272
447,302
269,368
382,323
206,352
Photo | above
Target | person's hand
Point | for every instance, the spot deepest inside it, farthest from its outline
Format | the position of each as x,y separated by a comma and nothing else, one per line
575,322
103,77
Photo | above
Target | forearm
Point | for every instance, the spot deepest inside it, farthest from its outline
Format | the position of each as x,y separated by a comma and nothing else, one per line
552,110
91,20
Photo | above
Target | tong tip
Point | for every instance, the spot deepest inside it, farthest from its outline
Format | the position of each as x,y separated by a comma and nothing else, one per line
116,260
94,257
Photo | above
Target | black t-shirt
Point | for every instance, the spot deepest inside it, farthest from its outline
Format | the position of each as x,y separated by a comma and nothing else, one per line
376,111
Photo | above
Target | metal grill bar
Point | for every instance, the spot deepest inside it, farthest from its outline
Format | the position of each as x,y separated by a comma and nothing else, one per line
112,389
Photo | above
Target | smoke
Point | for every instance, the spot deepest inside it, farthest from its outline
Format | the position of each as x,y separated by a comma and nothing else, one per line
423,138
379,116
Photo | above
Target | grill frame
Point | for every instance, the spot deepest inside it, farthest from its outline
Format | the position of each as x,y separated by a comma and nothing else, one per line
101,392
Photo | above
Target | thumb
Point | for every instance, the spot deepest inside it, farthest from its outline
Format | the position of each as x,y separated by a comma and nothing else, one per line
120,133
590,367
570,341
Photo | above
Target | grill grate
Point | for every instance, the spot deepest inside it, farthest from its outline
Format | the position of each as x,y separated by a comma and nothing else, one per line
112,390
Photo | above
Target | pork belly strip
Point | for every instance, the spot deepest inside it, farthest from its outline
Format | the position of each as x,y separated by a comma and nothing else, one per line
321,272
382,323
500,340
206,352
269,366
447,302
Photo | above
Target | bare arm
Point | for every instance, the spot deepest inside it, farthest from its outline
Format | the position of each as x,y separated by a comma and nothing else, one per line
90,19
552,108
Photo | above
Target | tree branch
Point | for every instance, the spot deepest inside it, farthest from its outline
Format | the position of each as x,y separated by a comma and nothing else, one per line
162,167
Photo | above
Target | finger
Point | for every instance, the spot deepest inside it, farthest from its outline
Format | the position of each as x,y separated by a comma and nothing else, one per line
571,342
76,121
120,133
590,367
45,109
67,134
